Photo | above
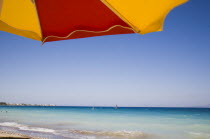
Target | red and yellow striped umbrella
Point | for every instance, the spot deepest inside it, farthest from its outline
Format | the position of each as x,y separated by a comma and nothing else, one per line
52,20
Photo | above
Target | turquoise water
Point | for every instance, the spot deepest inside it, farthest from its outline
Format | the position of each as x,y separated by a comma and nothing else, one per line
107,122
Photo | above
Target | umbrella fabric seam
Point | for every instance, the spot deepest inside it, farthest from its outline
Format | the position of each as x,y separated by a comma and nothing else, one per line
37,15
136,30
1,6
88,31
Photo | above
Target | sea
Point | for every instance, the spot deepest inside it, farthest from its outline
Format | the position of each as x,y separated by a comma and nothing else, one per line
65,122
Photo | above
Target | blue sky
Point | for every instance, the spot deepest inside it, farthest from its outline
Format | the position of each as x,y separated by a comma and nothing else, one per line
168,68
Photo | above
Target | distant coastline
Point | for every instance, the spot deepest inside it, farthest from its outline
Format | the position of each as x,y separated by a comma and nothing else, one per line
23,104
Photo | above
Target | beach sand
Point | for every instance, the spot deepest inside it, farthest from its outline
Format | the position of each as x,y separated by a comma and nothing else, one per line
12,135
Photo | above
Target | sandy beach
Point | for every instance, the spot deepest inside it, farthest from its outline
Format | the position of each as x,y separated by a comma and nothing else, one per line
12,135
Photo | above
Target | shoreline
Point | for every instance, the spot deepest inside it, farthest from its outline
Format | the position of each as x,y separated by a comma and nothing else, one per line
12,135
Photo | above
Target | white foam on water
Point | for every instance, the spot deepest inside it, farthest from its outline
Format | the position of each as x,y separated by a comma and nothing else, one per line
109,134
199,135
26,128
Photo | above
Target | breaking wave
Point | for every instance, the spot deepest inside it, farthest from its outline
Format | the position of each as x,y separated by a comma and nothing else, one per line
82,134
26,128
199,135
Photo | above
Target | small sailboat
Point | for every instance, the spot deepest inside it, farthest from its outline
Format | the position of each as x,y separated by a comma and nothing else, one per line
116,107
93,108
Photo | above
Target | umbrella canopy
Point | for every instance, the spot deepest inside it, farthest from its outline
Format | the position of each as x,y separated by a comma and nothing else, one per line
53,20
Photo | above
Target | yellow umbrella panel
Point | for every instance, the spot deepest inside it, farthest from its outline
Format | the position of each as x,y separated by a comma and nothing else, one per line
144,16
20,17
